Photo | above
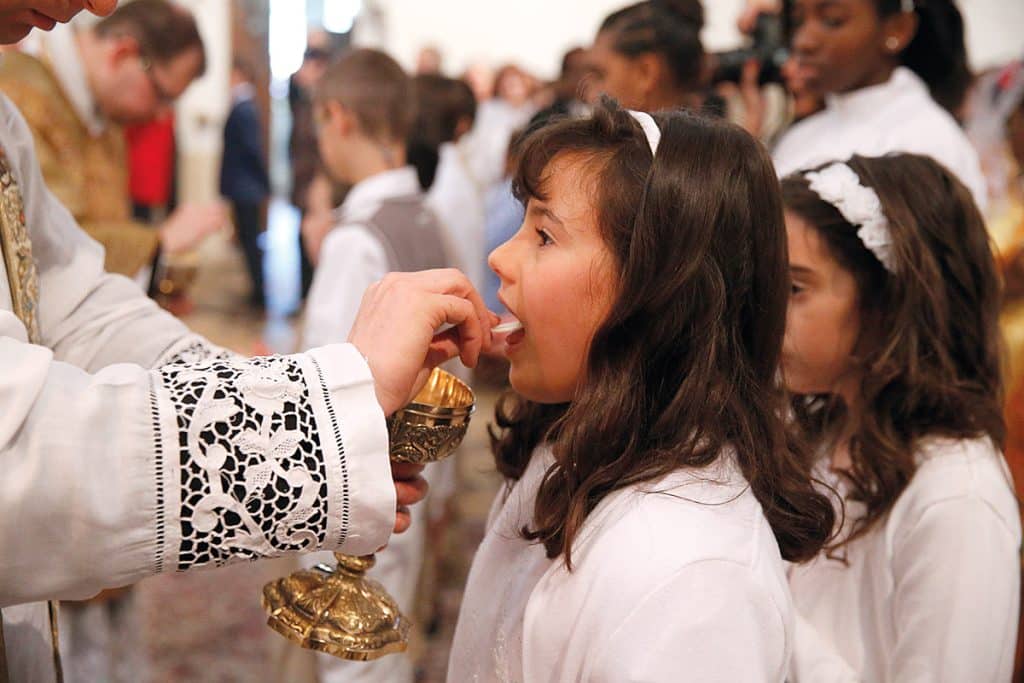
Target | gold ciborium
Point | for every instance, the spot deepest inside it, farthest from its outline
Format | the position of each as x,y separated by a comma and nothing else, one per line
343,612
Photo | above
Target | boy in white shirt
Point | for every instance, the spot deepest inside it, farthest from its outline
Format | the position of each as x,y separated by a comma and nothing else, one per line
365,111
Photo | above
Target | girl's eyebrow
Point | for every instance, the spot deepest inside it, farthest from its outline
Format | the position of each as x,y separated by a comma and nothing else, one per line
547,213
801,270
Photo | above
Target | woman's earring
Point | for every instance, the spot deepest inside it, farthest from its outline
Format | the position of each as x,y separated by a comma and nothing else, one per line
892,43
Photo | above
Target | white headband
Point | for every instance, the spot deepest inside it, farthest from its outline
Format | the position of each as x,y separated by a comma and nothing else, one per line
651,129
907,6
840,186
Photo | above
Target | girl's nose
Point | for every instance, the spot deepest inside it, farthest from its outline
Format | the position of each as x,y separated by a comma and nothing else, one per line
806,39
499,260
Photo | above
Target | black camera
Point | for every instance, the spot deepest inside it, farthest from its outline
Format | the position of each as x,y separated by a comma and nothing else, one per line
768,47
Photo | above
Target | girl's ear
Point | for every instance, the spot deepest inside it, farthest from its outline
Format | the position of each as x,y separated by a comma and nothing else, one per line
897,32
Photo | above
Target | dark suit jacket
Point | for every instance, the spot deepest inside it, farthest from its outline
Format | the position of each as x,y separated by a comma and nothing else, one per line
243,172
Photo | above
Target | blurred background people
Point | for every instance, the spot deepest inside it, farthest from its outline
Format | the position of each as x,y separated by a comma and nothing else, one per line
304,159
151,167
428,61
892,74
79,91
649,56
244,180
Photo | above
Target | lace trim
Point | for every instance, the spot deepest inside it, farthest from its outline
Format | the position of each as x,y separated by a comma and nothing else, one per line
253,477
336,431
158,477
194,352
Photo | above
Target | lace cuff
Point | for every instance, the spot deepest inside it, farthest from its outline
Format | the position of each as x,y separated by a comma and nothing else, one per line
244,450
192,350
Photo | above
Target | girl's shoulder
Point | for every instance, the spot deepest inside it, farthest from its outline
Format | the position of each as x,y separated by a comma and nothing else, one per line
951,469
689,516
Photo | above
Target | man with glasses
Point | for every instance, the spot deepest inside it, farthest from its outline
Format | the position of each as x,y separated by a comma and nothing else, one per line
78,88
129,446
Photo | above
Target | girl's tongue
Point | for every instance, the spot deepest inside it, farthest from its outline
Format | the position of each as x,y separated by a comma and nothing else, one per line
511,330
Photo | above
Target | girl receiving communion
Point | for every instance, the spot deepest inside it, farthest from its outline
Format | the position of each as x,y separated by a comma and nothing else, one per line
652,493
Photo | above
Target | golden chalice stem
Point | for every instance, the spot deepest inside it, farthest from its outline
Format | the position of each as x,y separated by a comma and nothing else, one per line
342,611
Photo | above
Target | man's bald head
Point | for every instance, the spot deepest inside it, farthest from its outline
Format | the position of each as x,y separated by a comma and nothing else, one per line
18,17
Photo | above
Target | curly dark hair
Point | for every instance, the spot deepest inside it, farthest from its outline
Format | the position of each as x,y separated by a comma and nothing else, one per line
684,366
929,346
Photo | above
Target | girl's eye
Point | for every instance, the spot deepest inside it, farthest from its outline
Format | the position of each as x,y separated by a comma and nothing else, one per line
795,289
832,21
545,238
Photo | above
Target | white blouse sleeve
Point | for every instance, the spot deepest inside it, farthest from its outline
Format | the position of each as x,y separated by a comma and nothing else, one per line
351,260
815,660
710,622
956,573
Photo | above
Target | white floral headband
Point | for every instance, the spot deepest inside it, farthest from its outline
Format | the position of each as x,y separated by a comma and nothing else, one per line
840,186
651,129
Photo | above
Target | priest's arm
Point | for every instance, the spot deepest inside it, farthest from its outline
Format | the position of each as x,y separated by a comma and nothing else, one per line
130,447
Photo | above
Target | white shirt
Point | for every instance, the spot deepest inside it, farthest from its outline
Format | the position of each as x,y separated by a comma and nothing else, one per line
896,116
931,593
351,257
110,471
678,580
457,199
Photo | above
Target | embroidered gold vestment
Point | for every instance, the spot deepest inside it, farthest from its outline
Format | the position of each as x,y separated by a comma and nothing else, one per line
88,173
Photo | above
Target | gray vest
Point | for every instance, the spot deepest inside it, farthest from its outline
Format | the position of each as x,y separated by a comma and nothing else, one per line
411,234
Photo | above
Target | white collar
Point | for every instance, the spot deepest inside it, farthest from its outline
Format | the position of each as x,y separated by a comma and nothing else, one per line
60,50
366,195
875,98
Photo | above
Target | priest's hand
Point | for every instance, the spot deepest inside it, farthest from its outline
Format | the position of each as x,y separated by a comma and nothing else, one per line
397,326
411,488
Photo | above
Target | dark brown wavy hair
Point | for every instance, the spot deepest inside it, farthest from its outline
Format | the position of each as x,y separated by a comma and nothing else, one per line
929,342
684,365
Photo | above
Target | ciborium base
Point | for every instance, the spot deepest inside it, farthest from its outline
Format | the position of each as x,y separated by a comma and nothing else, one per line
342,613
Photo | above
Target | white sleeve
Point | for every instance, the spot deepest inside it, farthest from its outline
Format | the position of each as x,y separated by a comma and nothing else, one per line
815,660
710,622
111,477
351,260
956,573
88,317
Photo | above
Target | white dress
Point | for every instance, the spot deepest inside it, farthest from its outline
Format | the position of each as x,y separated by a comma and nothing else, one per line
929,594
678,580
111,471
896,116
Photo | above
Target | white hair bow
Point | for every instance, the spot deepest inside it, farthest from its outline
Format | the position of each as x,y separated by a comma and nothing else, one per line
840,186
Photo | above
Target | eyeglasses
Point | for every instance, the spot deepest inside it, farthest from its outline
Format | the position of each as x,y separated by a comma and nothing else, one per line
162,95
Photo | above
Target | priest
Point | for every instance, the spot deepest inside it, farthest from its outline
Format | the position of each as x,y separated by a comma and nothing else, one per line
129,446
